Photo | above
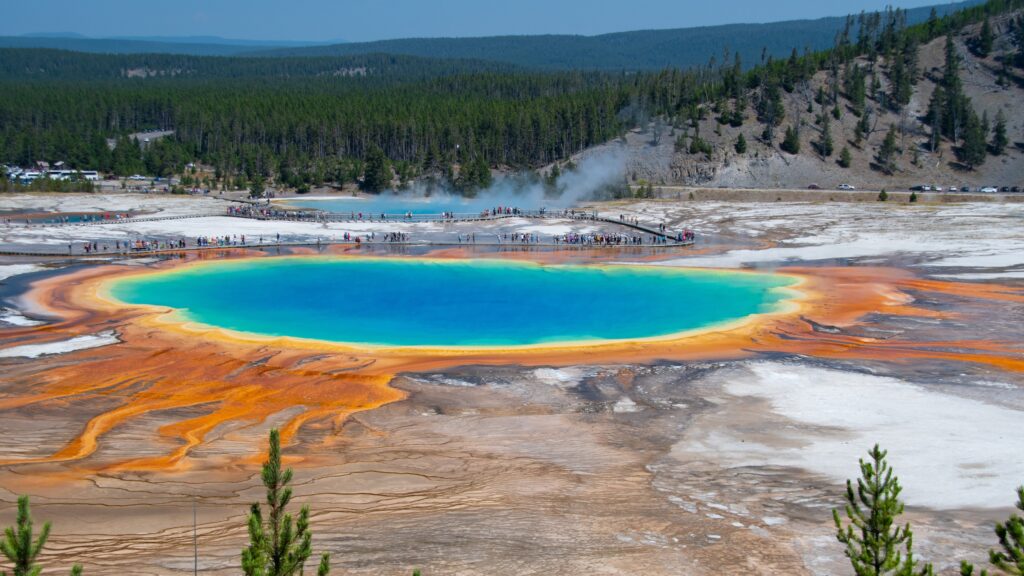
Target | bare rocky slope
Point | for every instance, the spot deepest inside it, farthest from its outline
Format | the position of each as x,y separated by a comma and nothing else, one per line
653,157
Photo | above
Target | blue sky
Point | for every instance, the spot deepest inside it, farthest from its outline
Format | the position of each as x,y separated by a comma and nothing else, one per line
359,20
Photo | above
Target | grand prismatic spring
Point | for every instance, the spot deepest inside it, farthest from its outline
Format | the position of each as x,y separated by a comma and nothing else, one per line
405,302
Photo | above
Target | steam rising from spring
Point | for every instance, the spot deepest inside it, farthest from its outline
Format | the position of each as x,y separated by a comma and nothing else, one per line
594,175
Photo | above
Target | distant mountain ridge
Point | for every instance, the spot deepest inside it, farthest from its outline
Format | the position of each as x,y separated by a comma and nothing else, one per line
220,40
180,45
636,50
628,51
124,46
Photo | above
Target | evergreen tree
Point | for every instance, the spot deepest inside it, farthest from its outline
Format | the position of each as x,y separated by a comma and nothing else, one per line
845,159
856,88
1019,57
999,138
985,39
680,143
378,173
825,144
973,151
551,182
1011,537
256,189
1010,560
19,548
483,172
949,108
932,25
874,546
700,146
770,110
903,73
741,144
883,195
791,143
474,176
862,129
278,545
886,157
913,197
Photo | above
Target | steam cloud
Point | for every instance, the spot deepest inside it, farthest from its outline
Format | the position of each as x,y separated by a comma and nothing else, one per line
595,172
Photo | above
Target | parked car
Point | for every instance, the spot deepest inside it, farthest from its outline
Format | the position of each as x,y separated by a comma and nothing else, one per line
926,188
814,187
937,188
965,189
953,189
989,190
847,187
1006,189
1015,189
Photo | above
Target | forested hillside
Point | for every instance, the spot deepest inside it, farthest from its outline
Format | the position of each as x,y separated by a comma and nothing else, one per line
941,110
303,124
371,69
320,127
637,50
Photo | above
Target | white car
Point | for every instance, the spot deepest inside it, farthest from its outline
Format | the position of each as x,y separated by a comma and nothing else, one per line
846,187
989,190
954,189
937,188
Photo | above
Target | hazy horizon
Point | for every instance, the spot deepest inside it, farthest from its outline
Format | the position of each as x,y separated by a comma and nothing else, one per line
319,21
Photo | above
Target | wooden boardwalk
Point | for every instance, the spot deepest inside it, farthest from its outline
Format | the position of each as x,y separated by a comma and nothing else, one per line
667,239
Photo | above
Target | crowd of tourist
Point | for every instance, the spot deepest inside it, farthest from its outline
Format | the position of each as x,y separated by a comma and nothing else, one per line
599,239
396,237
127,246
265,212
502,211
519,238
222,241
685,236
655,234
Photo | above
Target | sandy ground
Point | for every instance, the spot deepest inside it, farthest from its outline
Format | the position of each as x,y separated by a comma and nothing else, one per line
669,468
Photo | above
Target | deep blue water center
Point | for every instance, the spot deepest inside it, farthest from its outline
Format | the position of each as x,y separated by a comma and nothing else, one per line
409,302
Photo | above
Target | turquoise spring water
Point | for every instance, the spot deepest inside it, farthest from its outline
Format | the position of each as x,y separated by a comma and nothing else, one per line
408,302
